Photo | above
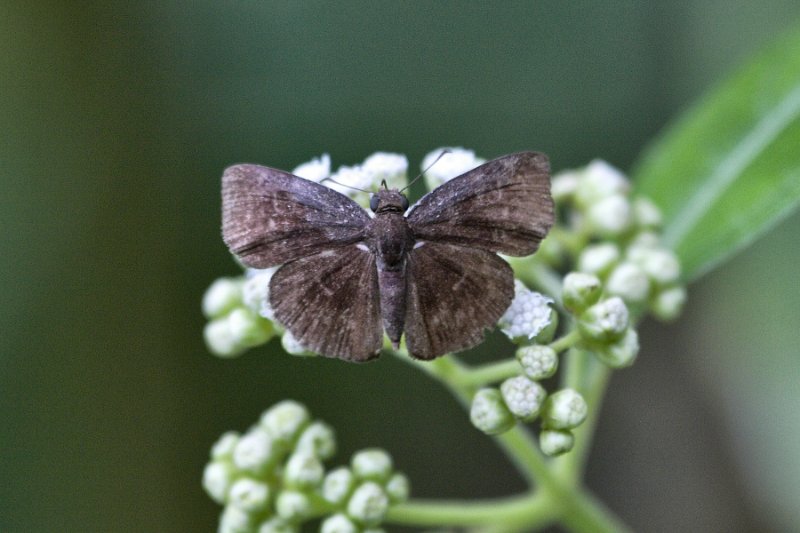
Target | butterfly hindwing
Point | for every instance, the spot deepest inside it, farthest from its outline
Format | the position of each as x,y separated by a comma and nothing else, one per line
454,294
270,217
502,206
330,303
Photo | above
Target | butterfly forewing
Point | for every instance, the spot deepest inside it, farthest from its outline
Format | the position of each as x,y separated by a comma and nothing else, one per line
454,294
502,206
330,303
270,217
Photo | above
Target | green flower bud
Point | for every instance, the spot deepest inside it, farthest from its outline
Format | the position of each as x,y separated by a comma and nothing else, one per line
564,409
293,346
605,321
303,470
235,520
629,282
223,448
398,488
249,329
277,524
373,463
292,505
523,397
217,480
668,303
489,413
254,452
598,259
220,339
580,290
285,420
319,439
338,523
337,485
537,361
621,353
555,442
368,504
222,297
249,495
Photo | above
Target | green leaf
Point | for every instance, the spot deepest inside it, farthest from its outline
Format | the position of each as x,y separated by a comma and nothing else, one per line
729,169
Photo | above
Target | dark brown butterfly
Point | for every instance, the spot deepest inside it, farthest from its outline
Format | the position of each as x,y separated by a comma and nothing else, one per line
346,277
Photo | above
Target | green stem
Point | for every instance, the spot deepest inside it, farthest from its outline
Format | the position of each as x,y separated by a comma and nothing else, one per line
567,341
490,373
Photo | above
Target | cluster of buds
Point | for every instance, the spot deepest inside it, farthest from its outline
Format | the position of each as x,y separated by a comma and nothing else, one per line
272,479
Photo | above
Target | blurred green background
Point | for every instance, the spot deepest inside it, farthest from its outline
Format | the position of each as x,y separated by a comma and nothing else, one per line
118,118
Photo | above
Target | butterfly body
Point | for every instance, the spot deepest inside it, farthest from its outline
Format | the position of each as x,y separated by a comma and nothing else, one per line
433,274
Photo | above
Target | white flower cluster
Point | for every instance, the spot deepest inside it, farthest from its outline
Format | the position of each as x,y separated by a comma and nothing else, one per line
272,478
443,164
529,317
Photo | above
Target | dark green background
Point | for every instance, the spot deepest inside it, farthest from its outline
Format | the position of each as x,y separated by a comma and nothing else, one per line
117,119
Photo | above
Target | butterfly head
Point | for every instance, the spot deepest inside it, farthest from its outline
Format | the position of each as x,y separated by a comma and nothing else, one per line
388,201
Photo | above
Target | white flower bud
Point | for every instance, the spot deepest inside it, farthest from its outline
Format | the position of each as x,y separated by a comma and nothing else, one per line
338,523
347,180
255,292
337,485
217,479
564,184
277,524
643,240
249,495
555,442
621,353
319,439
235,520
600,180
303,470
223,448
368,504
285,420
580,290
537,361
451,165
523,397
398,488
254,451
605,321
220,339
222,296
598,259
527,316
661,265
247,328
372,463
646,213
564,409
489,413
629,282
317,169
292,505
387,166
611,216
668,303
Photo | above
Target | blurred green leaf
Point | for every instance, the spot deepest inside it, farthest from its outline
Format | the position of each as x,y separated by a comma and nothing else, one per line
729,168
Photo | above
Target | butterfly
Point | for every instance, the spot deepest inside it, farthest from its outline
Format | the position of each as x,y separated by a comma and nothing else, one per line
346,277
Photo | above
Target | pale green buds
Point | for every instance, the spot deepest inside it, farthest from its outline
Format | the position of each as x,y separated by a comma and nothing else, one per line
537,361
235,520
489,413
319,439
337,485
564,409
598,259
622,353
398,488
217,480
249,495
338,523
222,296
630,282
303,470
372,464
285,420
580,290
668,303
368,504
556,442
292,505
254,451
610,217
523,397
277,524
605,321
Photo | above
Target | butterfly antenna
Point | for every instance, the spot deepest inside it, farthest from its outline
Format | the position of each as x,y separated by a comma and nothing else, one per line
444,152
343,185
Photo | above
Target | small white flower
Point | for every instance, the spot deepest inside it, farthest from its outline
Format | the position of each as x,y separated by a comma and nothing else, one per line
565,409
255,292
564,184
372,463
387,166
234,520
303,470
247,328
223,448
555,442
292,345
337,485
222,296
319,439
537,361
598,259
249,495
217,478
580,290
668,303
220,339
338,523
605,321
610,216
523,397
661,265
629,282
277,524
528,314
489,413
368,504
646,213
284,420
621,353
452,164
600,180
254,451
315,170
348,180
398,488
292,505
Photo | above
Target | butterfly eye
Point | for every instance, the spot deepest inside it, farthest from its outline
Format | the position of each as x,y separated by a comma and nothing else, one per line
373,202
405,203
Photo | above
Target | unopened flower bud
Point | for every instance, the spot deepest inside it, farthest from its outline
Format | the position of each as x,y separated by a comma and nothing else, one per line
285,420
528,316
564,185
368,504
398,488
217,480
580,290
646,214
564,409
276,524
611,216
254,452
234,519
523,397
605,321
668,303
303,470
292,505
629,282
337,485
319,439
255,291
537,361
661,265
220,339
598,181
621,353
249,495
247,328
223,448
373,463
222,296
338,523
556,442
598,259
489,413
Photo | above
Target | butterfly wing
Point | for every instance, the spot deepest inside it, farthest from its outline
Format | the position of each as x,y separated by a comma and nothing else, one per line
502,206
270,217
454,294
330,303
